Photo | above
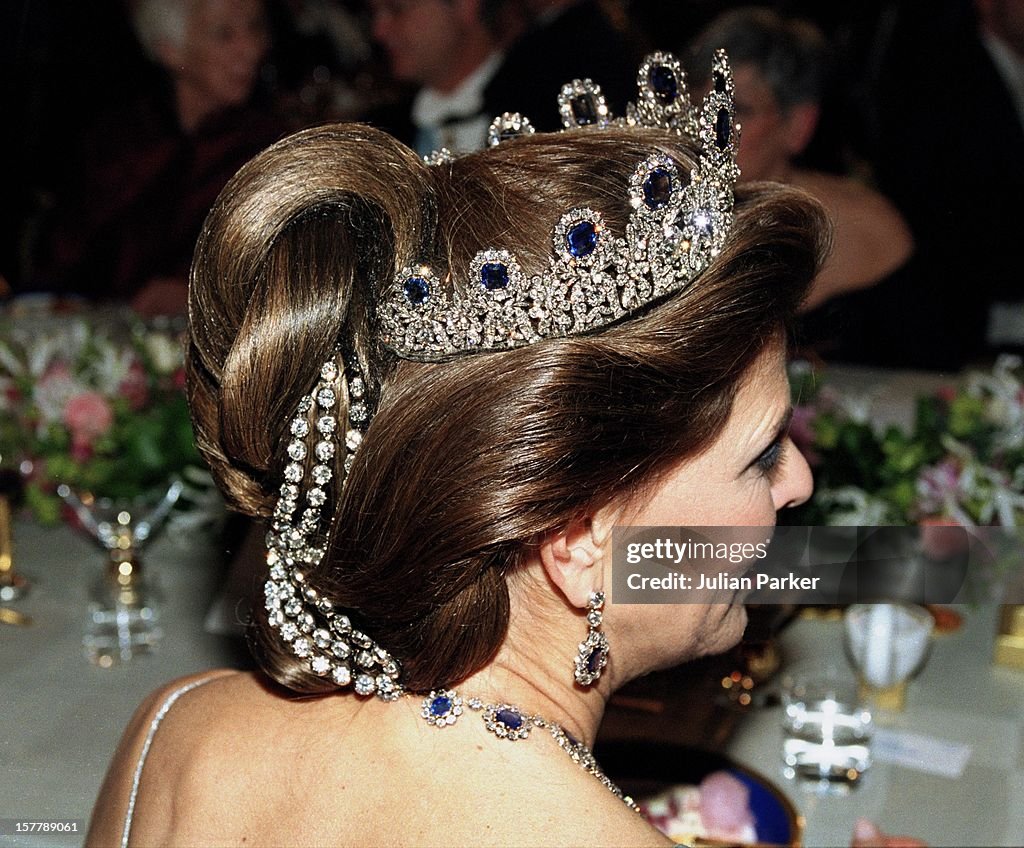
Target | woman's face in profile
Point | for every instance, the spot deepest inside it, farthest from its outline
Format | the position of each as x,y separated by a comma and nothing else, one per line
749,473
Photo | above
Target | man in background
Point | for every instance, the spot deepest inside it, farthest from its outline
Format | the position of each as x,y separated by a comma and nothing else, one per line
449,50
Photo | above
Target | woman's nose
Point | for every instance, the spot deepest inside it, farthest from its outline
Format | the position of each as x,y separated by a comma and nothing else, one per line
796,483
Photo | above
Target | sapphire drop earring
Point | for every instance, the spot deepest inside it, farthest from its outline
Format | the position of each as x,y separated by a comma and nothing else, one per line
592,655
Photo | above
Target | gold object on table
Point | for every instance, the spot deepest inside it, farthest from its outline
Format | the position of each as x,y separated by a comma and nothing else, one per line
892,698
12,584
1009,647
10,616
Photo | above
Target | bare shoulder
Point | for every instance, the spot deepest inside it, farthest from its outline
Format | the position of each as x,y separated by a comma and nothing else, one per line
194,714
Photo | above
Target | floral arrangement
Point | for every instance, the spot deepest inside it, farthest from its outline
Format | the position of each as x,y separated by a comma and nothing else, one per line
962,462
93,402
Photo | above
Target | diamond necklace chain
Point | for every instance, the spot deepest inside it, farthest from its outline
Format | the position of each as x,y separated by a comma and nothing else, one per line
442,708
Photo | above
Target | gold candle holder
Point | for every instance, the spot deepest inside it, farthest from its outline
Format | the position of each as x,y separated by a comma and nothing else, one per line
889,698
12,584
1009,645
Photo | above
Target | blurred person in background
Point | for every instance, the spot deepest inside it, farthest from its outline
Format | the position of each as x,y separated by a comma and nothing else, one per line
565,40
780,67
320,51
148,170
950,152
448,50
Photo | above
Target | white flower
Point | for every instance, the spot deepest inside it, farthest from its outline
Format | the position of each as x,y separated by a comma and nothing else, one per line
111,366
857,508
164,351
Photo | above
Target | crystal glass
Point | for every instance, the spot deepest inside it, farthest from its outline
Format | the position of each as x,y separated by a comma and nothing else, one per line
887,644
826,731
124,600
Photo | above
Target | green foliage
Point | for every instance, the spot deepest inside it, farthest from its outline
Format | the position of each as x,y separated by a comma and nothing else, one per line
99,408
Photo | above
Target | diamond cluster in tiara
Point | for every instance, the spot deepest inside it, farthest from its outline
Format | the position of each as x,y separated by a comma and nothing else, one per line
677,226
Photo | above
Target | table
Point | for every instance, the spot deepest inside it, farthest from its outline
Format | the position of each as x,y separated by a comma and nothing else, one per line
61,716
959,696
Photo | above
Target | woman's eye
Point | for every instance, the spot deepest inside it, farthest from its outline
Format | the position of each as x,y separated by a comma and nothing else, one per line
769,459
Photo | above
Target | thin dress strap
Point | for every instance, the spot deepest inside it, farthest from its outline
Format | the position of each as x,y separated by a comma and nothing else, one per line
153,725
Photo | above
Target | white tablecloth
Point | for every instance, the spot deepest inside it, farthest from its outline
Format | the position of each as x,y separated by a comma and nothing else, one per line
61,716
959,696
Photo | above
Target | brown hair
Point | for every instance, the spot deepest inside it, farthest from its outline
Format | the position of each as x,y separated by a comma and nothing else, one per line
466,462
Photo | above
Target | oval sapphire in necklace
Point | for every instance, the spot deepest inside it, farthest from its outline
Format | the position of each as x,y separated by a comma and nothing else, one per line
507,722
441,708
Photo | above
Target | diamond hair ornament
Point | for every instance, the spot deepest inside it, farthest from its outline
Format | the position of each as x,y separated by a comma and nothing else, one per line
677,226
307,623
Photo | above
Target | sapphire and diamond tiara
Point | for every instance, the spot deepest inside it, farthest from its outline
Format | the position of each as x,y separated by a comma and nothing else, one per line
677,226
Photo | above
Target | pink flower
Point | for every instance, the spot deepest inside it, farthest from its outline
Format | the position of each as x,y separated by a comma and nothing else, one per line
56,371
178,379
88,416
133,387
947,394
801,431
938,486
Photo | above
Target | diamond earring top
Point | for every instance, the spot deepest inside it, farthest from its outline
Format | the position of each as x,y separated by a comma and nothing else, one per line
677,226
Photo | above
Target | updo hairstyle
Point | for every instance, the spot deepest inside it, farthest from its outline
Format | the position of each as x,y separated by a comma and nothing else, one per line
467,463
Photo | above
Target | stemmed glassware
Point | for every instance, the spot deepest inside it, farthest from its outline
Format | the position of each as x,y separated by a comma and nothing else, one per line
124,600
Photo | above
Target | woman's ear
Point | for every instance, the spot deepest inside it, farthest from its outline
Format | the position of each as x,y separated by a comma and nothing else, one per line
574,557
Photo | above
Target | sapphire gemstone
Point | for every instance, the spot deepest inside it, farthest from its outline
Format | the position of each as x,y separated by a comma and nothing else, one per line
440,706
657,188
719,78
663,83
510,718
417,290
493,276
584,110
594,660
582,239
723,129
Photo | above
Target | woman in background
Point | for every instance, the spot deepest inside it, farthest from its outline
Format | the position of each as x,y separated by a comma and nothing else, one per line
149,170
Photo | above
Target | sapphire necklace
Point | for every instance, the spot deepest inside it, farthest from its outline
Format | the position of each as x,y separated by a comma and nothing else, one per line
442,708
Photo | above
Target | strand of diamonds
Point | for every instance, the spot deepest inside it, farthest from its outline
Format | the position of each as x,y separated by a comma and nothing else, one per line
307,622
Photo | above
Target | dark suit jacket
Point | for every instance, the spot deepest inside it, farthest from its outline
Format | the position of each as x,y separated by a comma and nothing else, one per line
952,159
581,42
